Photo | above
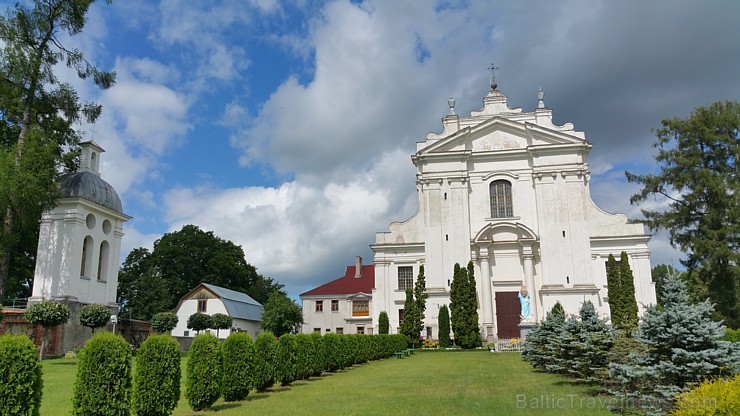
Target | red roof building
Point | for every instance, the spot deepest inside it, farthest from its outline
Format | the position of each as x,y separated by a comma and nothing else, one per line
343,305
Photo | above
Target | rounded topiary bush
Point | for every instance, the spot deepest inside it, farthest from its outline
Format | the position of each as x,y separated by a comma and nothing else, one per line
103,385
48,314
164,322
204,372
94,316
220,321
265,346
20,376
199,321
238,362
157,377
333,352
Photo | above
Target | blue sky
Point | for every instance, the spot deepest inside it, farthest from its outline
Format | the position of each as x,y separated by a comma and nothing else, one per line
287,126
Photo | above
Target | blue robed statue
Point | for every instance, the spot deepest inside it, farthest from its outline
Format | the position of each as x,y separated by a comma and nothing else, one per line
525,301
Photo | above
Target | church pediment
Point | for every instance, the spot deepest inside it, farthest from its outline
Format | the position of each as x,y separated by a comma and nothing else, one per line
500,134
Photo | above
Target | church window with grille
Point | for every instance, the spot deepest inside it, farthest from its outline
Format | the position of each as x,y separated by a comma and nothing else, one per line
502,205
405,277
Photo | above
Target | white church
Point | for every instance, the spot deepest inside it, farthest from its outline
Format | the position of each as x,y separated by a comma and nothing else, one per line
509,191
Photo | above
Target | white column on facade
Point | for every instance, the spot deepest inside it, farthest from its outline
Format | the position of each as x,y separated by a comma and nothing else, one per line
485,277
529,281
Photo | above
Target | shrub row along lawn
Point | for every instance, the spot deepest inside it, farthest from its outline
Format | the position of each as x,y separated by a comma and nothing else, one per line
429,382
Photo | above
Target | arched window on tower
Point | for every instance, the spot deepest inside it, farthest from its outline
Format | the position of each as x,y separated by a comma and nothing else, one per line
103,262
87,250
502,205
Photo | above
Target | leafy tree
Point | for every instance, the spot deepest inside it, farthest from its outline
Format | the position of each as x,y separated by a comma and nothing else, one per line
48,314
199,321
408,324
420,301
681,346
383,323
94,316
281,314
698,177
444,326
155,281
157,378
37,116
164,322
220,321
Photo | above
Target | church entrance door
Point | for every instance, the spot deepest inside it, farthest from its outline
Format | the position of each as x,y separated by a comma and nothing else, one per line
507,314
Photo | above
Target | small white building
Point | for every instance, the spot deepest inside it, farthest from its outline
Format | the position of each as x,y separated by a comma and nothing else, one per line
209,299
341,306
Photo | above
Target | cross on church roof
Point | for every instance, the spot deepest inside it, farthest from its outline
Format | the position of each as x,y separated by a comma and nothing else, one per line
493,69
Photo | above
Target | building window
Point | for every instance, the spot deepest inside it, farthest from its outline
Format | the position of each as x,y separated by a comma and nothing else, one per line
328,330
360,308
405,277
335,306
202,305
360,329
319,306
400,315
340,330
87,252
502,205
317,330
186,333
103,261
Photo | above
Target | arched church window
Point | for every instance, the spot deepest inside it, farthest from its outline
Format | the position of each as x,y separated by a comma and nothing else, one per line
103,261
87,250
502,205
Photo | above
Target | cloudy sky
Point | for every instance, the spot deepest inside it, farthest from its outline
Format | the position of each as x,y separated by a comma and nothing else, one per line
287,126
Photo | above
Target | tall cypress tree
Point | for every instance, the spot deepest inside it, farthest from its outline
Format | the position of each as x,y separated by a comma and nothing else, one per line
408,325
420,301
455,300
383,323
614,291
464,307
444,326
627,286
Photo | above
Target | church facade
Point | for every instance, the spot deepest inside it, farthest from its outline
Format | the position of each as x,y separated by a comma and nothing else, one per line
509,191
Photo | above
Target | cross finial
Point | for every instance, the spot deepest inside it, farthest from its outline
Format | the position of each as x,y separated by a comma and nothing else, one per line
493,69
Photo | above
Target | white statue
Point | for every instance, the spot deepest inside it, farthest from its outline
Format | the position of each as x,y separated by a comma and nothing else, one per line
525,300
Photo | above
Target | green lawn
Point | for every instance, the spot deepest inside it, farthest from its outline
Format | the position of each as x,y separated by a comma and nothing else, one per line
435,383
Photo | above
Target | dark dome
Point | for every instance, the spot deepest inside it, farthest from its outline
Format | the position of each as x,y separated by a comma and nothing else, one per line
89,186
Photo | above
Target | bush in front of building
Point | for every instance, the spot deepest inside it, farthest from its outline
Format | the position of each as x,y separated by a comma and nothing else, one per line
157,377
383,323
220,321
266,350
539,349
48,314
443,322
94,316
319,361
238,363
163,322
204,372
333,351
199,321
20,378
103,385
305,356
286,360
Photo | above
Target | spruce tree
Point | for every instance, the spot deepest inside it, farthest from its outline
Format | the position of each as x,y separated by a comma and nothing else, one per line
420,301
682,345
538,349
444,326
627,286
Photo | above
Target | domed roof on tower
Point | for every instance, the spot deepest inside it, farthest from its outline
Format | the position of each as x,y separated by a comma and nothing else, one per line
86,182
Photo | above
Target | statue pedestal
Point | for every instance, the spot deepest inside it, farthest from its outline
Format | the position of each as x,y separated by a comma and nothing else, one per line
525,328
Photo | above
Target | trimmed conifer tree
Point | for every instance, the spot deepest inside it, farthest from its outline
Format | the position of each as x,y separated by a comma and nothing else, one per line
238,363
420,302
204,372
464,308
456,290
103,384
383,323
265,357
408,324
627,286
286,361
444,326
157,378
20,378
681,346
614,291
